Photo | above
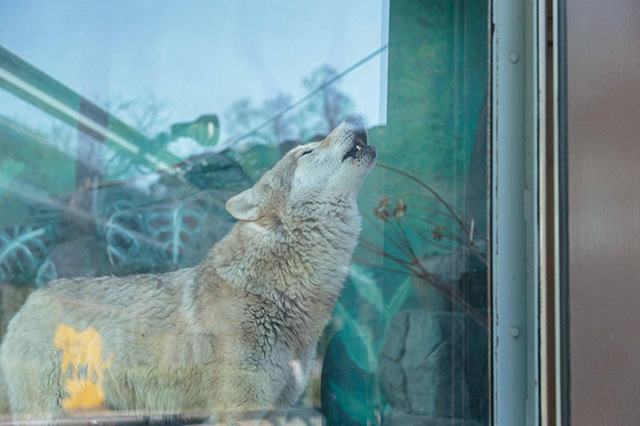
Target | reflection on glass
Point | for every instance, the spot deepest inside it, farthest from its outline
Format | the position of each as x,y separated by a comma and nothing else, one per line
81,350
123,138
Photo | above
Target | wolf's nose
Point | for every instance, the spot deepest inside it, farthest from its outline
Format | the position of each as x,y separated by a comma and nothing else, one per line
354,120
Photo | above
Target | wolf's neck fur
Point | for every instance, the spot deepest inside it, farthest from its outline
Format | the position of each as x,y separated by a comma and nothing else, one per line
305,259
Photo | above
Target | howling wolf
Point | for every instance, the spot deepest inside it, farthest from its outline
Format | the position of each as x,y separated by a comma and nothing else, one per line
234,336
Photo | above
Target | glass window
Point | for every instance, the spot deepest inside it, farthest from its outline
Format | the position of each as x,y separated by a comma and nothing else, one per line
178,226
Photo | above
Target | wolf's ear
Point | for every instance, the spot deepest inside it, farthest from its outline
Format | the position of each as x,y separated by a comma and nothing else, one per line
244,206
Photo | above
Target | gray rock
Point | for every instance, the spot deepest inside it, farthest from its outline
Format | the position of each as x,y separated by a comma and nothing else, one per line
395,337
422,364
394,384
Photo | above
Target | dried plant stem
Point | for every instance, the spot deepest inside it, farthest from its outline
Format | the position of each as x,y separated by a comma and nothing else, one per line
455,298
381,230
376,250
414,195
421,273
428,209
383,268
433,192
433,244
393,230
439,231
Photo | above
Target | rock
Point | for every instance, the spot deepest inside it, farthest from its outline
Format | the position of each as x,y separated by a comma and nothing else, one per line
395,337
394,384
423,364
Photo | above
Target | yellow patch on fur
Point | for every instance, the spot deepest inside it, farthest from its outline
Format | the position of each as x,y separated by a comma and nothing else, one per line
81,350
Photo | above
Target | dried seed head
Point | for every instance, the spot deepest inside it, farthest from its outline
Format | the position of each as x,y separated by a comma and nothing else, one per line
381,210
400,209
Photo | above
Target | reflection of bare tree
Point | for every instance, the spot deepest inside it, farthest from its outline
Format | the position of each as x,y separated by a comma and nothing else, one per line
243,118
283,127
278,119
330,105
146,114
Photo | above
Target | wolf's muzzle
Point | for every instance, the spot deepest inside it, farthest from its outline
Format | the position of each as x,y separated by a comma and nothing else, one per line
355,120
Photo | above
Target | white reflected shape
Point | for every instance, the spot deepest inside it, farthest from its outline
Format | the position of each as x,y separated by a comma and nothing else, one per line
296,367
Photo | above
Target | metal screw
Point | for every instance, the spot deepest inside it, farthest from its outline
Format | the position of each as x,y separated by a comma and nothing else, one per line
513,57
515,332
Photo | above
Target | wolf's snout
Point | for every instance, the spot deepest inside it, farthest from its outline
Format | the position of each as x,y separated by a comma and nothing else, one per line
357,127
361,138
354,120
355,138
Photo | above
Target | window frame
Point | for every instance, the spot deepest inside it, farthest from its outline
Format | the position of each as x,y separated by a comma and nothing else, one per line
515,222
518,230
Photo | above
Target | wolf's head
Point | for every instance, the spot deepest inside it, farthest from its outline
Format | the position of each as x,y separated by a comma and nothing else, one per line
327,173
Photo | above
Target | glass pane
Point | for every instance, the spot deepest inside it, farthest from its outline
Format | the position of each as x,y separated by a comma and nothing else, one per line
170,253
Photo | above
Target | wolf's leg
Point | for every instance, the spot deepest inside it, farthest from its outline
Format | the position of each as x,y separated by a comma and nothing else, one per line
4,396
246,397
33,387
299,372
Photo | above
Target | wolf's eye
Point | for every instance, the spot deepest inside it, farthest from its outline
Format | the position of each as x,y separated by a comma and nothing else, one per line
306,152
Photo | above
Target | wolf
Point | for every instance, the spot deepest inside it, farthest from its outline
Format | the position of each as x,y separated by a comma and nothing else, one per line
234,336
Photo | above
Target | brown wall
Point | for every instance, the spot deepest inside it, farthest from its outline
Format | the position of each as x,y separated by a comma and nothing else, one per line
603,95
